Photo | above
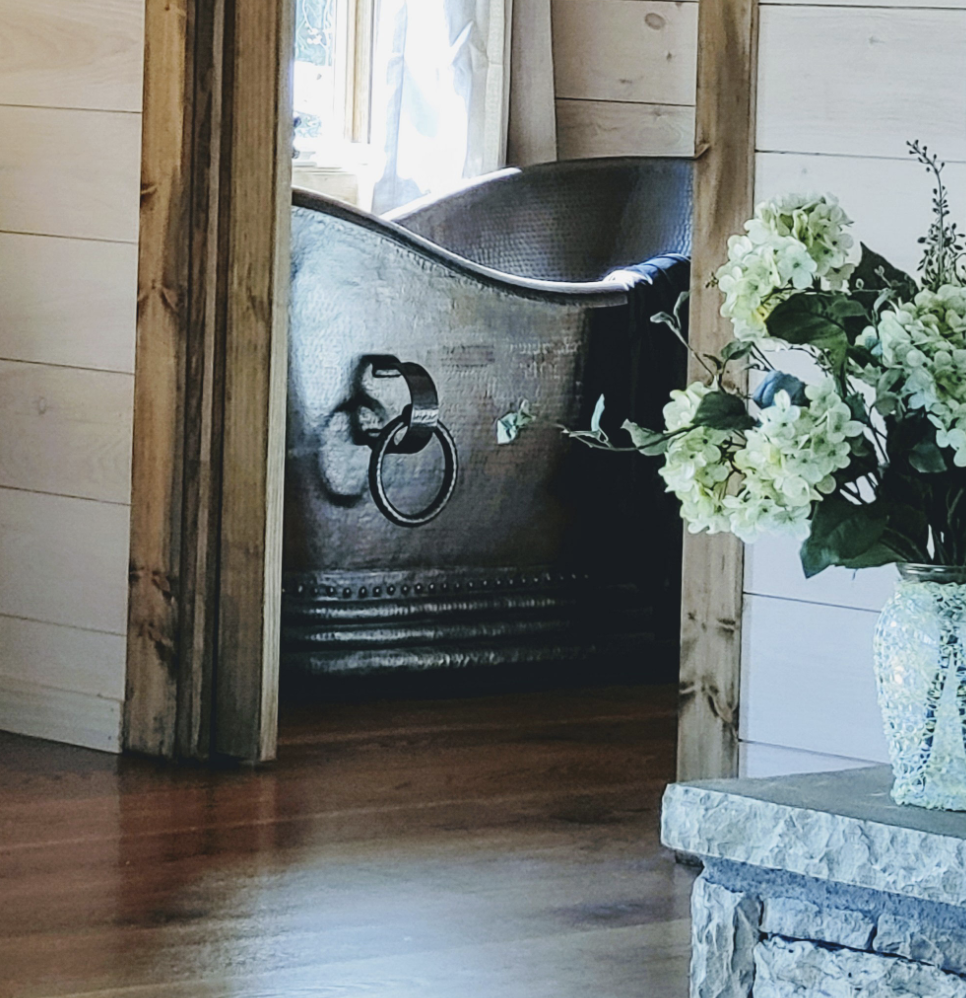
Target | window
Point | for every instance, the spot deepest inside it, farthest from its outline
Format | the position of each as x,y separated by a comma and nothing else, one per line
395,99
333,55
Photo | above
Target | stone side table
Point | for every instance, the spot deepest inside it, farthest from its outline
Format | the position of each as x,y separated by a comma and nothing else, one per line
820,885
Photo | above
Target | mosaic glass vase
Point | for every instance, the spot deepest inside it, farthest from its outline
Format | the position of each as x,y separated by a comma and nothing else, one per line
920,670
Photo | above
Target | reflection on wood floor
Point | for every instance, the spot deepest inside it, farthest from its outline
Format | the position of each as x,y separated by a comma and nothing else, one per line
495,846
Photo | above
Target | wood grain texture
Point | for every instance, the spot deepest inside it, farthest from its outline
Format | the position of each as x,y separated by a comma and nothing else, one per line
210,382
64,560
81,54
724,189
489,847
607,128
179,389
862,81
85,317
532,126
66,431
63,658
95,198
625,50
164,303
807,680
257,186
60,715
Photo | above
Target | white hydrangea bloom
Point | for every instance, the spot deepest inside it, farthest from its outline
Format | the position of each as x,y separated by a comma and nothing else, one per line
923,344
696,467
789,462
791,242
765,479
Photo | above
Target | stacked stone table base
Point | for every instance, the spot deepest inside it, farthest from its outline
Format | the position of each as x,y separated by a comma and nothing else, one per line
761,938
820,886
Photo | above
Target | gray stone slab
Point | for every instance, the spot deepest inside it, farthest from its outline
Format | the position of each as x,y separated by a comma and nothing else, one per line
806,970
796,919
905,935
841,827
724,932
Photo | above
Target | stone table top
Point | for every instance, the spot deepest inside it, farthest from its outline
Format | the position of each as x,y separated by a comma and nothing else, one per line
841,827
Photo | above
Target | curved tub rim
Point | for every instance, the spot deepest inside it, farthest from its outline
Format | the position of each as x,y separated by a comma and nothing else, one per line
594,293
507,173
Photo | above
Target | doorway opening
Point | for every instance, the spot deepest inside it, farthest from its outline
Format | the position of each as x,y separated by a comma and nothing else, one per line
443,535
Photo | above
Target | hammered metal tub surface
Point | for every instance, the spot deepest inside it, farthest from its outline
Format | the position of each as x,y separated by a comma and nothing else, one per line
547,551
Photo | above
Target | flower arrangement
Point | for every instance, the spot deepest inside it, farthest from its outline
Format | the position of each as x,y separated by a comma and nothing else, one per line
853,439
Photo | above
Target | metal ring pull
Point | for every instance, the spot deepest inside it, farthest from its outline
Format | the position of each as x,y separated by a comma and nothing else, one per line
420,423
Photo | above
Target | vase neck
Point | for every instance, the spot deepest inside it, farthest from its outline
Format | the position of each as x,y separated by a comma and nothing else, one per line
912,572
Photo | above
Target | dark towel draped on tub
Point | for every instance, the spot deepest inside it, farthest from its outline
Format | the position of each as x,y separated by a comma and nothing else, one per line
548,554
647,357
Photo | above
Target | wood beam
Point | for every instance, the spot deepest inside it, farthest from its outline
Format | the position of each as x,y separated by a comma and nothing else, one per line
723,201
209,380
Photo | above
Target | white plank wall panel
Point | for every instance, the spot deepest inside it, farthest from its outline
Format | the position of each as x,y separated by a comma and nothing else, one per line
64,561
65,658
70,173
760,760
66,431
71,302
70,117
860,81
587,129
773,568
843,84
72,53
807,681
889,200
625,50
29,708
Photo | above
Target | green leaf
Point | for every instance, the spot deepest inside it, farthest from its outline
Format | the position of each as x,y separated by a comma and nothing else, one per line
508,427
596,417
876,273
646,441
927,458
842,532
827,321
856,404
736,350
723,411
862,355
886,403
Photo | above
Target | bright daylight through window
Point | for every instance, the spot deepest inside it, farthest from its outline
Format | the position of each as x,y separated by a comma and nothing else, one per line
395,99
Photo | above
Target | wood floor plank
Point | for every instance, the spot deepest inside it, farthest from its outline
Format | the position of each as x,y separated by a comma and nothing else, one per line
503,845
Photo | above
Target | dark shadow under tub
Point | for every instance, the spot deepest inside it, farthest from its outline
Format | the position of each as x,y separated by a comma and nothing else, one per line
548,554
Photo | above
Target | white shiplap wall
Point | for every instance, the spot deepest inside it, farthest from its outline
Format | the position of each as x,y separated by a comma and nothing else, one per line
842,86
70,102
624,74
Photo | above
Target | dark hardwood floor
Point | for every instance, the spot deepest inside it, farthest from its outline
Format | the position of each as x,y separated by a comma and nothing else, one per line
492,846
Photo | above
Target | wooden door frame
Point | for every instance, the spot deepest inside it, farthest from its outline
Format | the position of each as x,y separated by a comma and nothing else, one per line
206,504
202,674
713,566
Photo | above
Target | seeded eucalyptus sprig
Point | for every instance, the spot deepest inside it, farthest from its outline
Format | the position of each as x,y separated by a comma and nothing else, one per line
944,253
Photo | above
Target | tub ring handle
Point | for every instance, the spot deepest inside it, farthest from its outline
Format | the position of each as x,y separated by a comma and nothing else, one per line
422,413
385,444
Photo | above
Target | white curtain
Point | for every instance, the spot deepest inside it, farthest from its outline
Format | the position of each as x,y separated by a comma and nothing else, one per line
440,94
